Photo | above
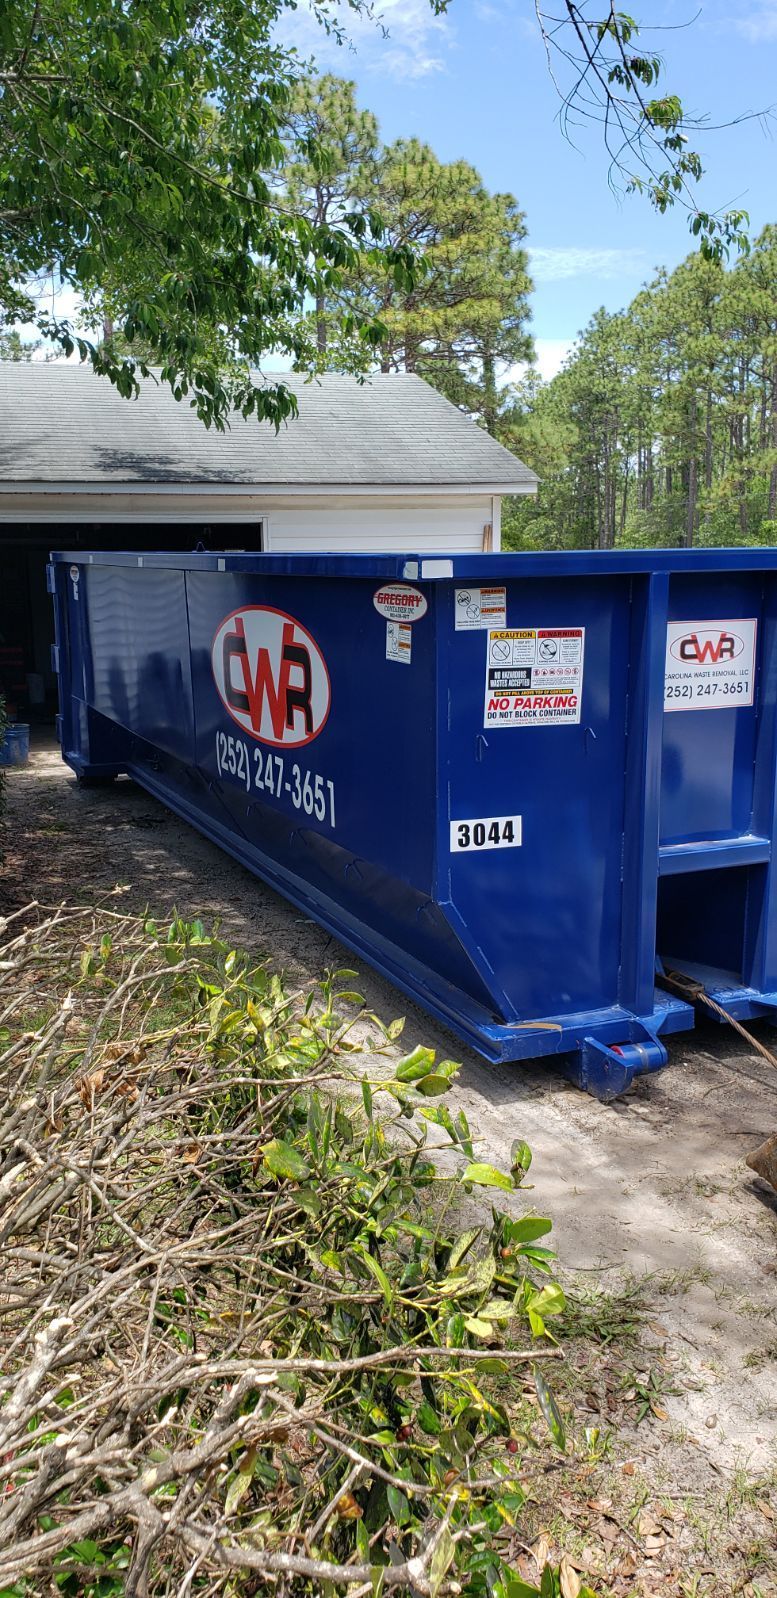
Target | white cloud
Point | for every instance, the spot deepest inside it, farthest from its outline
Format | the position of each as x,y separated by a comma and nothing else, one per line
760,24
551,354
565,261
403,39
52,298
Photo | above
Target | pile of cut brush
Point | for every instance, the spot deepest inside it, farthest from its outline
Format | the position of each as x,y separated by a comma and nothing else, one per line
241,1344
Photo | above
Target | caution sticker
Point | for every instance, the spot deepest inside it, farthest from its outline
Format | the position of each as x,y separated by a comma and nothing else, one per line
534,676
477,608
399,641
710,665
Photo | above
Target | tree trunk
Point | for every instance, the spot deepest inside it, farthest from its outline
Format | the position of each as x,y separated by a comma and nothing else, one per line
490,398
690,520
708,443
692,482
773,474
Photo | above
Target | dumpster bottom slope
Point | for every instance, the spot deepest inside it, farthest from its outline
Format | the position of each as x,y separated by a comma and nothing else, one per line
602,1050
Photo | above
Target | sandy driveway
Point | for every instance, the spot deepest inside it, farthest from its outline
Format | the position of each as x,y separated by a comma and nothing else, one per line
653,1185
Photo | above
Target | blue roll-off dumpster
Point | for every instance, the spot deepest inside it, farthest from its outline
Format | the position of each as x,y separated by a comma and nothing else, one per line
522,786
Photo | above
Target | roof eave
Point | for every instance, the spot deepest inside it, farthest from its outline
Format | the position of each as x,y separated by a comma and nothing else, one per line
527,485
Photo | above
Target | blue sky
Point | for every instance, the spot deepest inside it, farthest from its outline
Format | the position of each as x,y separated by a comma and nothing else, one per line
475,85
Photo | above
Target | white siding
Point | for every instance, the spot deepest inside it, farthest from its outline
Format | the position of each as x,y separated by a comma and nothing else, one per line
425,521
454,527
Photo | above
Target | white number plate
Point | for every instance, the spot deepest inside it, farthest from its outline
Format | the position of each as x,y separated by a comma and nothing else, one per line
488,832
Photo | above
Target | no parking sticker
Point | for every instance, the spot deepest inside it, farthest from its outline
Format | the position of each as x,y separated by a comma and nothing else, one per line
534,677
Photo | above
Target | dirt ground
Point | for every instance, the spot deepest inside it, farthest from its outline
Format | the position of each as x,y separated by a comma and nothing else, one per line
667,1243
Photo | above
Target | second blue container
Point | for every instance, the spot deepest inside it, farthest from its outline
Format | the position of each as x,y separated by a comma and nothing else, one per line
15,744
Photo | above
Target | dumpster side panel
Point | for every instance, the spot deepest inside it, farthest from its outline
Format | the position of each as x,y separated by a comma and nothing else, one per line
549,913
717,910
374,752
348,810
709,740
138,670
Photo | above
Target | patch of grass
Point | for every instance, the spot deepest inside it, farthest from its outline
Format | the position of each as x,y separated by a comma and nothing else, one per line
758,1357
597,1314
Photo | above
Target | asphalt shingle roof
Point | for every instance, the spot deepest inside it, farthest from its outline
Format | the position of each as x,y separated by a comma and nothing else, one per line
61,424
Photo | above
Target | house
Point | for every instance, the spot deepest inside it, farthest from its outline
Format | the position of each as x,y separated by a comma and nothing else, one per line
377,465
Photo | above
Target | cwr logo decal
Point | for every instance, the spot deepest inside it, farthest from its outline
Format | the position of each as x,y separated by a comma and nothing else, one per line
271,676
709,644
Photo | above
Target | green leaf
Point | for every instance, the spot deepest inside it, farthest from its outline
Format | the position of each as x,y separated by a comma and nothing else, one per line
498,1309
487,1176
462,1246
415,1065
440,1561
399,1506
239,1486
428,1420
550,1301
281,1159
377,1271
367,1099
433,1085
527,1229
481,1274
478,1327
549,1408
520,1155
463,1134
515,1588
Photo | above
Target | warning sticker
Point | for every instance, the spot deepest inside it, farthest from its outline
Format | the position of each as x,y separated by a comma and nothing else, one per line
710,665
480,607
534,676
399,641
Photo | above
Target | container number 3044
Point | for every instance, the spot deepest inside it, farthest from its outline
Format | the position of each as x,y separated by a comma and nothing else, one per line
486,832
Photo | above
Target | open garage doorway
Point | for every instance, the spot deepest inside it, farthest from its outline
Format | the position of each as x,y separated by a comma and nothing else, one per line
27,681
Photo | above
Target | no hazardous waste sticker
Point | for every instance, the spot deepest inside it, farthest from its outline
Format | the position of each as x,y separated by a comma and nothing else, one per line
534,677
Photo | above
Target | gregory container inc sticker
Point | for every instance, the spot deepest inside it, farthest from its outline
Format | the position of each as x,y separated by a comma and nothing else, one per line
271,675
710,665
400,602
478,608
534,676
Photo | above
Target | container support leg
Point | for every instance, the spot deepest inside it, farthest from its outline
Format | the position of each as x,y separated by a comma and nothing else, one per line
607,1070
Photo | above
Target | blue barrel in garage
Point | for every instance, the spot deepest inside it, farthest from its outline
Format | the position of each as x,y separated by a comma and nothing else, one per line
536,791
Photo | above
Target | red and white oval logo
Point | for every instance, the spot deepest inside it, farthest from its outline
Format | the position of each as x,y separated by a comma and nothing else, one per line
271,675
400,602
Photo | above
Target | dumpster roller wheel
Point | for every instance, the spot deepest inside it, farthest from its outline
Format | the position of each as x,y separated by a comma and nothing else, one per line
606,1071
